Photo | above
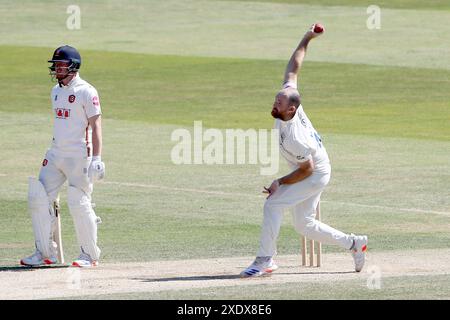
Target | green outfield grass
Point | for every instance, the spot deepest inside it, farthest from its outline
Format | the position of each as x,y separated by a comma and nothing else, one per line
398,4
155,222
381,107
238,93
233,29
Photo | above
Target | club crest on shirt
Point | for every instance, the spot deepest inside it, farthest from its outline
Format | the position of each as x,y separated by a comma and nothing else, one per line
303,121
56,97
71,98
62,113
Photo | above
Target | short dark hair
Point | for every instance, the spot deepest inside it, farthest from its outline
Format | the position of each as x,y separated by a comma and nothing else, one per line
293,98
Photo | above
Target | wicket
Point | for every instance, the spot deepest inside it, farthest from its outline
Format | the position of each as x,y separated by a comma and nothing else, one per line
311,247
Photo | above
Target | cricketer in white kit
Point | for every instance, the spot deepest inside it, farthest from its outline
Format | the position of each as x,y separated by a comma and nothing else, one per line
75,156
302,147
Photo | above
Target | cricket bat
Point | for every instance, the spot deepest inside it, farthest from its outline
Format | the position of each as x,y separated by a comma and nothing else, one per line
57,234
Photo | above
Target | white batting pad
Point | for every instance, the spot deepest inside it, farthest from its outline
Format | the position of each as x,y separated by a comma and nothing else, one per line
42,217
85,221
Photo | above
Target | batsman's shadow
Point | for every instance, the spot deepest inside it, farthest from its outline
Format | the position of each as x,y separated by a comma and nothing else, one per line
27,269
191,278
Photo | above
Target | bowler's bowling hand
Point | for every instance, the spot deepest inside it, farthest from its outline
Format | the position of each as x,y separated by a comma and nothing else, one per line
314,31
273,188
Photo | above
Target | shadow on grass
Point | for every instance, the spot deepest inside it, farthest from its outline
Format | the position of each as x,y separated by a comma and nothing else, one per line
192,278
232,276
316,272
26,268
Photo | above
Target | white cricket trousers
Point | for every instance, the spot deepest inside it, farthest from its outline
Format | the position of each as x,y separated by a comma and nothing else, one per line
303,196
54,172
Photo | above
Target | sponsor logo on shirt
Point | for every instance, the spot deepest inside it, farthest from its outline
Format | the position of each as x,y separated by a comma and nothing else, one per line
62,113
72,98
95,101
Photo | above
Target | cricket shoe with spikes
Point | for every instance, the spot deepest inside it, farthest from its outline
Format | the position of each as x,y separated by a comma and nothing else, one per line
36,260
84,261
358,250
261,266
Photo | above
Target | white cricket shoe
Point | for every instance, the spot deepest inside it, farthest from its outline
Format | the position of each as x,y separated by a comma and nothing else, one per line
358,250
84,261
36,260
261,266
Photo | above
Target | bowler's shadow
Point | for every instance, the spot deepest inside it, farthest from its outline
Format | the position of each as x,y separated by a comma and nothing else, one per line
235,276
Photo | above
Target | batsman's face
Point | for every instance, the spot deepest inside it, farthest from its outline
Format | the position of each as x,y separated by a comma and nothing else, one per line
280,106
61,69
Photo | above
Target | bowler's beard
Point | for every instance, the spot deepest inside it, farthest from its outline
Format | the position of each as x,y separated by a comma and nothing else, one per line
286,117
276,114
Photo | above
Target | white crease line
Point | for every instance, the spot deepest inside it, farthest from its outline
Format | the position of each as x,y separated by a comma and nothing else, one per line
388,208
220,193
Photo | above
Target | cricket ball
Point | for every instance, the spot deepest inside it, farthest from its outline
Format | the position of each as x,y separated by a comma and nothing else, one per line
318,28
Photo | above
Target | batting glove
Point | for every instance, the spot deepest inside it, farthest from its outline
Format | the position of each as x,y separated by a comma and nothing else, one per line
96,169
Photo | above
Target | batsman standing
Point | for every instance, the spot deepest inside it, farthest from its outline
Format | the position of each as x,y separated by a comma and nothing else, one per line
305,153
75,156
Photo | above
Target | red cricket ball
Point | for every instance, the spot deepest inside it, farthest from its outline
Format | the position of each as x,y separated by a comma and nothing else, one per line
318,28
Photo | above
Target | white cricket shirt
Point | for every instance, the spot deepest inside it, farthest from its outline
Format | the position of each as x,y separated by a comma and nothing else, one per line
72,106
299,142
